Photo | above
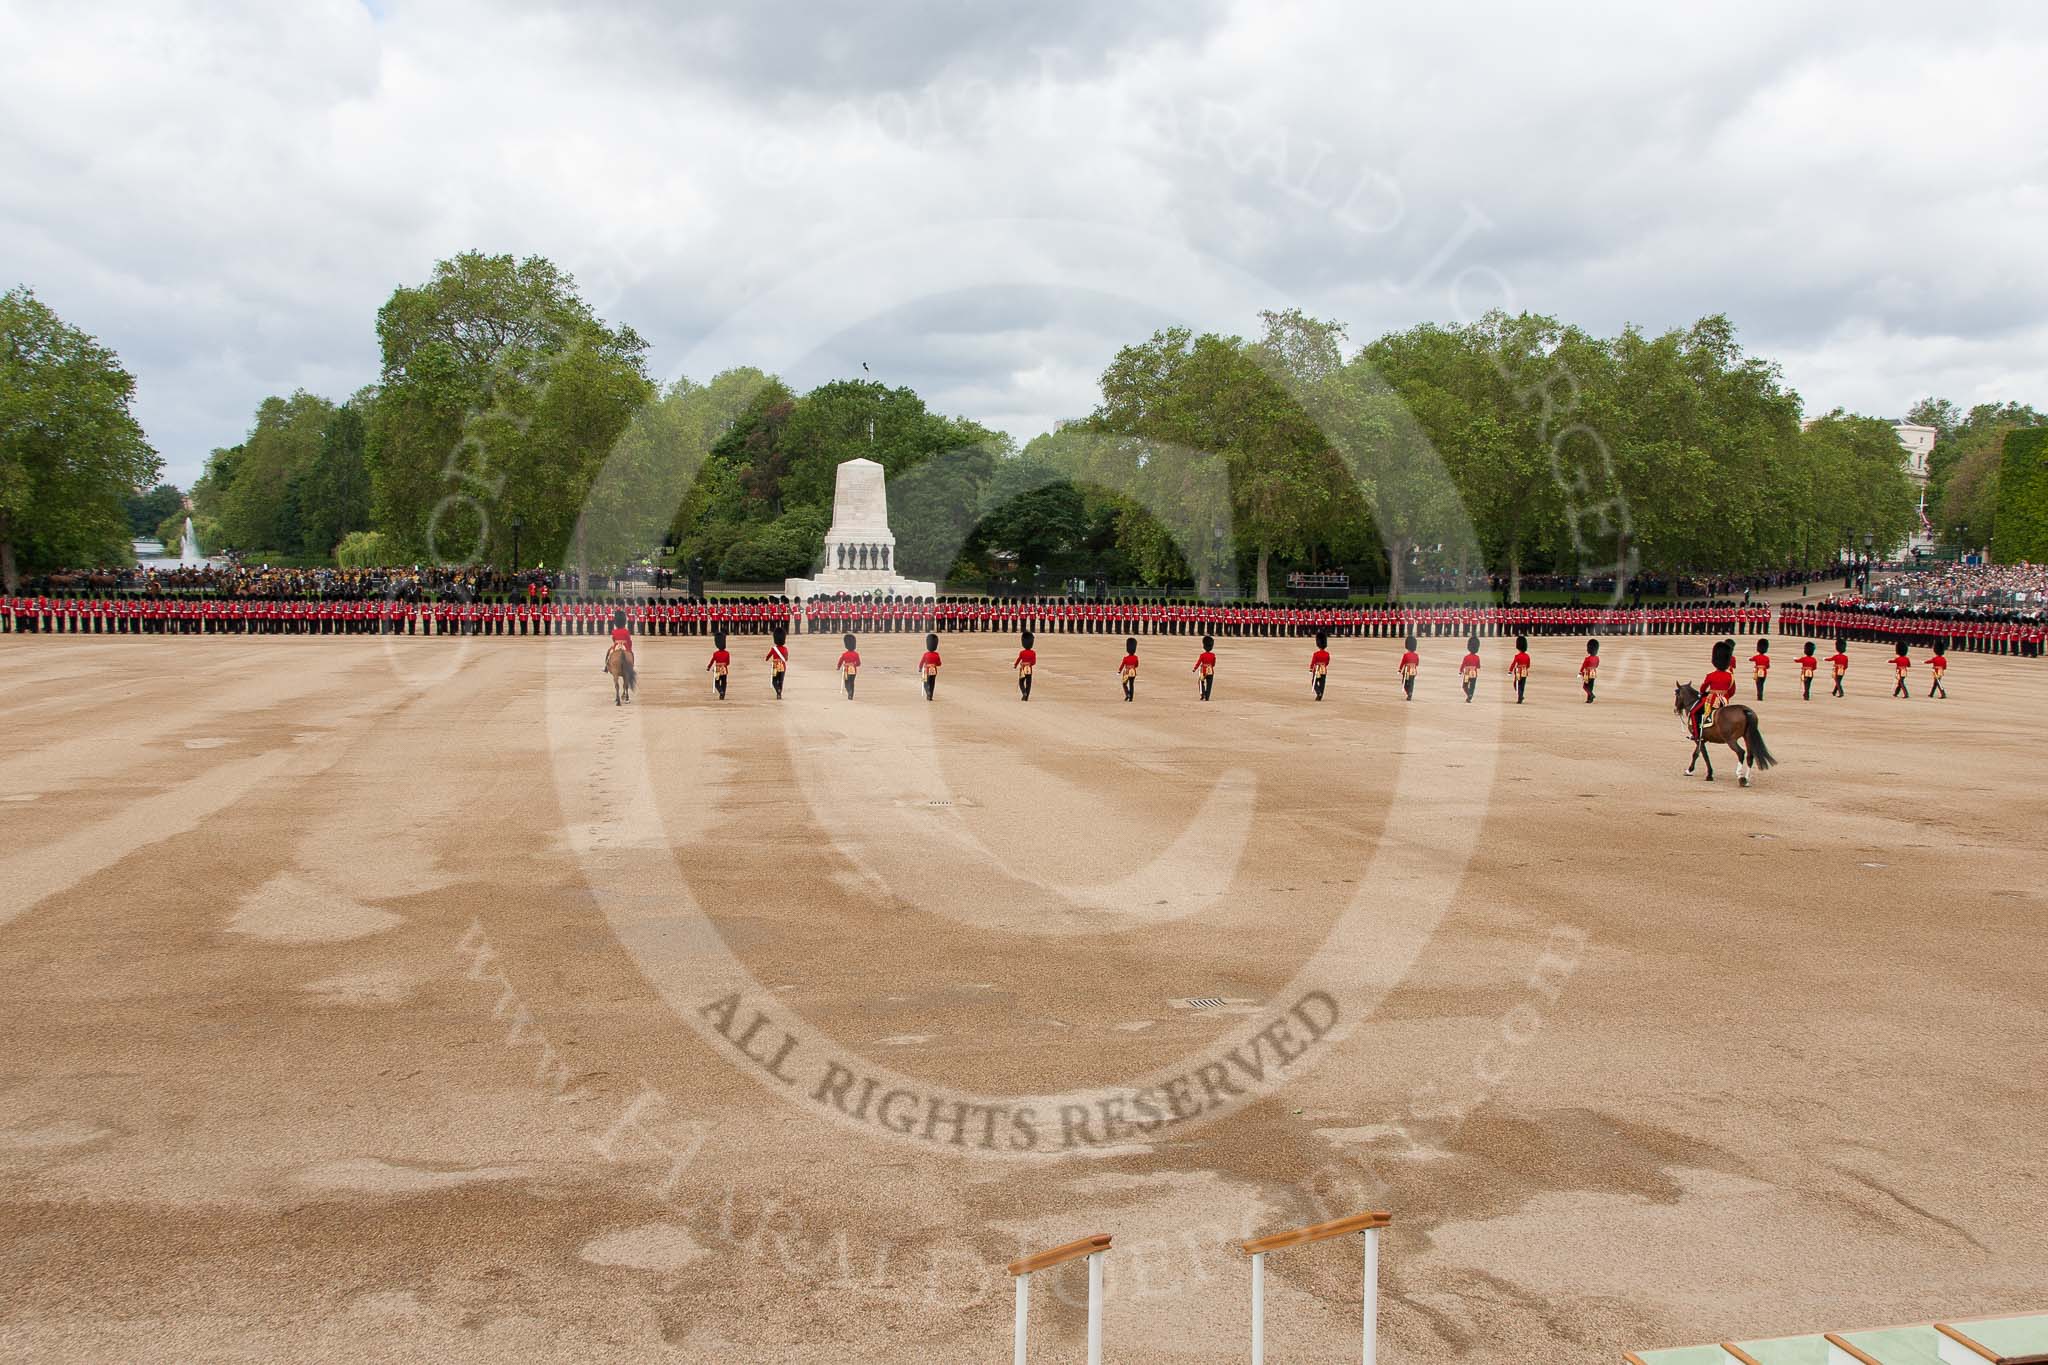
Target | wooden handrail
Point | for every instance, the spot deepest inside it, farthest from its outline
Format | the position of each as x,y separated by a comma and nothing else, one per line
1953,1335
1745,1357
1855,1353
1631,1358
1316,1232
1045,1260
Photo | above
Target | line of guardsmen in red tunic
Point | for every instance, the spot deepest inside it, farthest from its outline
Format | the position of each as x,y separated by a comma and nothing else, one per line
657,616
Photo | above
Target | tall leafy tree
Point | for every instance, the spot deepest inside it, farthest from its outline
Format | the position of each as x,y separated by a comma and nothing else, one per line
148,510
1185,400
333,491
501,397
260,508
71,451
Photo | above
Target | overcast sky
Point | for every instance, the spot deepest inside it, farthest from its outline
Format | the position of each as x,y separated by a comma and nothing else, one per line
985,208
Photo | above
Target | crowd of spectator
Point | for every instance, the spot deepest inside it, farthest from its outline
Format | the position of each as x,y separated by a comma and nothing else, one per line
326,583
2003,587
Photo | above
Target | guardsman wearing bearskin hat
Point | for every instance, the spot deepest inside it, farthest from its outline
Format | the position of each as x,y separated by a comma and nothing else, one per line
1026,660
1903,662
849,664
1128,669
928,665
1410,665
1809,663
1760,664
1716,689
1839,661
1518,667
1468,667
1937,666
1319,662
721,663
1589,669
1205,664
777,658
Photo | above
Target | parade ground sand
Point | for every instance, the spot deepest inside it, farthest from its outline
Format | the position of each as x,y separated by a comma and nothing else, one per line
394,1000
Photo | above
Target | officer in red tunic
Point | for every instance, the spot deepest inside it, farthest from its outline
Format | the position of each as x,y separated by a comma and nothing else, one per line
1128,669
1468,667
721,662
1839,662
1319,662
849,664
777,659
1716,689
1205,665
1411,664
1903,663
1760,662
928,666
1518,667
1589,669
1027,659
1938,665
1809,664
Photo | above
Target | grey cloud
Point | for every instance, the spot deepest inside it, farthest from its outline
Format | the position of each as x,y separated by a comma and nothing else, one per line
227,195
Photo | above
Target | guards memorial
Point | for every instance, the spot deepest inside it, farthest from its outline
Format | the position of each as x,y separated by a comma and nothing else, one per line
860,549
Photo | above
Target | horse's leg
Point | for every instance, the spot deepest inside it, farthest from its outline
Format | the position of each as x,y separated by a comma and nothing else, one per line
1707,756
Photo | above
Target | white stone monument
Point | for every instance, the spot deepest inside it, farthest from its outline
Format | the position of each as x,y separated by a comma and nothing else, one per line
860,549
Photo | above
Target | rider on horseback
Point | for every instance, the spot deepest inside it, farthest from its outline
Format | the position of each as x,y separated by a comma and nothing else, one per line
622,638
1716,689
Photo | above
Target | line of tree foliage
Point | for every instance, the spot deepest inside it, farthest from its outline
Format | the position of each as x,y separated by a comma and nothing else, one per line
2022,515
506,411
1964,470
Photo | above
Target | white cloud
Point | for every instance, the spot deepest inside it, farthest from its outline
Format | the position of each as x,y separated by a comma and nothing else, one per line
226,194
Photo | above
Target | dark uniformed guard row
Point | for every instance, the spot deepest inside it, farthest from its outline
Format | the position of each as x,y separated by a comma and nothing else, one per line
1965,632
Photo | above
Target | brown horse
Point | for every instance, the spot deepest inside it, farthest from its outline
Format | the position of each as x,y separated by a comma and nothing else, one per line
618,661
1733,726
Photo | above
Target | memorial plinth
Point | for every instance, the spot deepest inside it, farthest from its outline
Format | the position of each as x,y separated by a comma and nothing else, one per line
860,549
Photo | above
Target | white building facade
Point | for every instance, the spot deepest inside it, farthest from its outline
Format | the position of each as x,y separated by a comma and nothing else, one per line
1918,442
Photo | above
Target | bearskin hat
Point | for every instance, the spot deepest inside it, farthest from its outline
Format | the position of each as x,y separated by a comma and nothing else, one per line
1130,644
1522,643
1763,646
1025,639
1809,649
931,642
1209,643
781,635
1593,646
1724,653
1322,639
1471,644
848,639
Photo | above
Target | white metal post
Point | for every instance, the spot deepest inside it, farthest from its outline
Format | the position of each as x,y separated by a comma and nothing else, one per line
1259,1308
1023,1315
1095,1309
1372,1294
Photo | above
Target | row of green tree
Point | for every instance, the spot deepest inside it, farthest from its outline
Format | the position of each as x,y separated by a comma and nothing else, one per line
1964,469
508,416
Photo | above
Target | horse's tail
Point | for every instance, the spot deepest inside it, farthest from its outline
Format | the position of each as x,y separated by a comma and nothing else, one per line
1759,754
